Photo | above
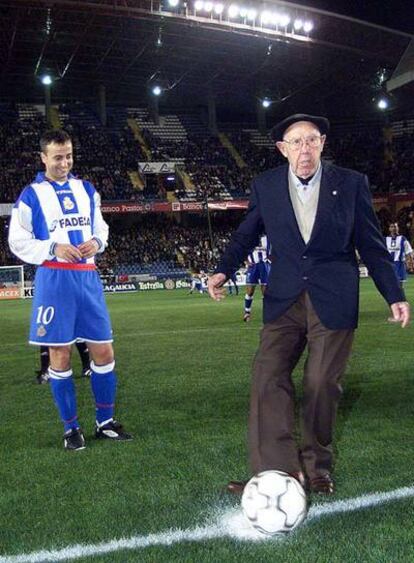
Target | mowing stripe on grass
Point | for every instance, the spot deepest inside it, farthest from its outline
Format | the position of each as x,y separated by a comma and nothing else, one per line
229,524
151,333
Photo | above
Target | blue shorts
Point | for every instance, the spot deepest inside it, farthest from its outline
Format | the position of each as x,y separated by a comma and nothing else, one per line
257,274
400,270
68,305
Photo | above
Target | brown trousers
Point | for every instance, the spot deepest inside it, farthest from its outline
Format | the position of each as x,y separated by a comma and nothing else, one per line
271,424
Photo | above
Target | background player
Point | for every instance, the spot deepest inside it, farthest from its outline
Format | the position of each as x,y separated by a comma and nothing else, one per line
258,267
400,251
233,283
42,375
57,224
198,282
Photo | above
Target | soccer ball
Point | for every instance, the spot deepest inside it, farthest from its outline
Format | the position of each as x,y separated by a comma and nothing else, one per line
274,502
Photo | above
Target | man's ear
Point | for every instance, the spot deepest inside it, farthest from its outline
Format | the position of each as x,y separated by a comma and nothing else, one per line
43,157
281,146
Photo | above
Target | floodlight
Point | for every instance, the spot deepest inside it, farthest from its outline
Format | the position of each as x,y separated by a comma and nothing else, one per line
284,20
233,11
274,18
218,9
157,90
298,24
46,79
382,103
266,103
251,14
307,26
199,5
243,12
208,6
173,3
265,17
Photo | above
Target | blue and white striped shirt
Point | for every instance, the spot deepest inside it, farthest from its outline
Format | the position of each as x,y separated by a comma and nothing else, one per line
49,212
261,252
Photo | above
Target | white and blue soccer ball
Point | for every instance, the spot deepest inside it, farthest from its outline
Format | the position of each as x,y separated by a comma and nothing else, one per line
274,502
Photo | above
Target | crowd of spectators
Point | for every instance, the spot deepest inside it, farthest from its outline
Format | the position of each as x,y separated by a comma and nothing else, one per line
156,238
109,157
386,162
103,155
384,218
6,257
152,239
364,151
405,219
397,170
19,160
210,166
257,158
215,173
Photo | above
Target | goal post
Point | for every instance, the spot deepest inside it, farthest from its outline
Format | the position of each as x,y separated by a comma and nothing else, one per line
11,282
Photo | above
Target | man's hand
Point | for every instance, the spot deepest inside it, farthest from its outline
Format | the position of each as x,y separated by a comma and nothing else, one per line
67,252
89,248
401,313
215,286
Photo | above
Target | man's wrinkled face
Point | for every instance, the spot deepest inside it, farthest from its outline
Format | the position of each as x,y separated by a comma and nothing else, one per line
58,159
302,145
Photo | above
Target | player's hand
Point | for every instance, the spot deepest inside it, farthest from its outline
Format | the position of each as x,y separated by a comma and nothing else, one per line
68,252
89,248
401,313
215,286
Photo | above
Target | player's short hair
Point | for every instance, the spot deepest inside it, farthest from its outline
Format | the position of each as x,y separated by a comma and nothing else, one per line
58,136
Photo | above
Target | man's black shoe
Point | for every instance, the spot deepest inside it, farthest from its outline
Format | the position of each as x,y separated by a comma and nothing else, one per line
236,487
322,485
42,377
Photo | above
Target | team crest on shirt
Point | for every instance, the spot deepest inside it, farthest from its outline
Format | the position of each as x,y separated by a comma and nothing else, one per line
41,331
68,204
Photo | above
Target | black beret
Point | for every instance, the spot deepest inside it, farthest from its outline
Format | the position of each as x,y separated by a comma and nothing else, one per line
279,129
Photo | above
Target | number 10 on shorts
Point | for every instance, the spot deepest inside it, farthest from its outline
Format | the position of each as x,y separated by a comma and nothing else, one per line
45,315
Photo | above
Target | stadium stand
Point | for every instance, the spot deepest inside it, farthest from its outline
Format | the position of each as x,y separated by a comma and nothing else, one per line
20,127
104,155
153,244
218,167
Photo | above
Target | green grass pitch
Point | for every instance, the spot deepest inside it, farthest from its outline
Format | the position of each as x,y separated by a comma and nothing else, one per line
183,363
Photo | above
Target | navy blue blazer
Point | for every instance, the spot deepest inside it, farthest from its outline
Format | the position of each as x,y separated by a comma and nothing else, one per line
325,267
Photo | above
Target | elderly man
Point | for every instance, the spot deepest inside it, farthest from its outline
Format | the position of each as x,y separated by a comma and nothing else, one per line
315,215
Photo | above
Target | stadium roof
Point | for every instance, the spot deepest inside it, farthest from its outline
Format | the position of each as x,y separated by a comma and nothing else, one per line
128,45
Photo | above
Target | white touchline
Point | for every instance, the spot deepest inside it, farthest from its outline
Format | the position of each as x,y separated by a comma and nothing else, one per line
228,524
